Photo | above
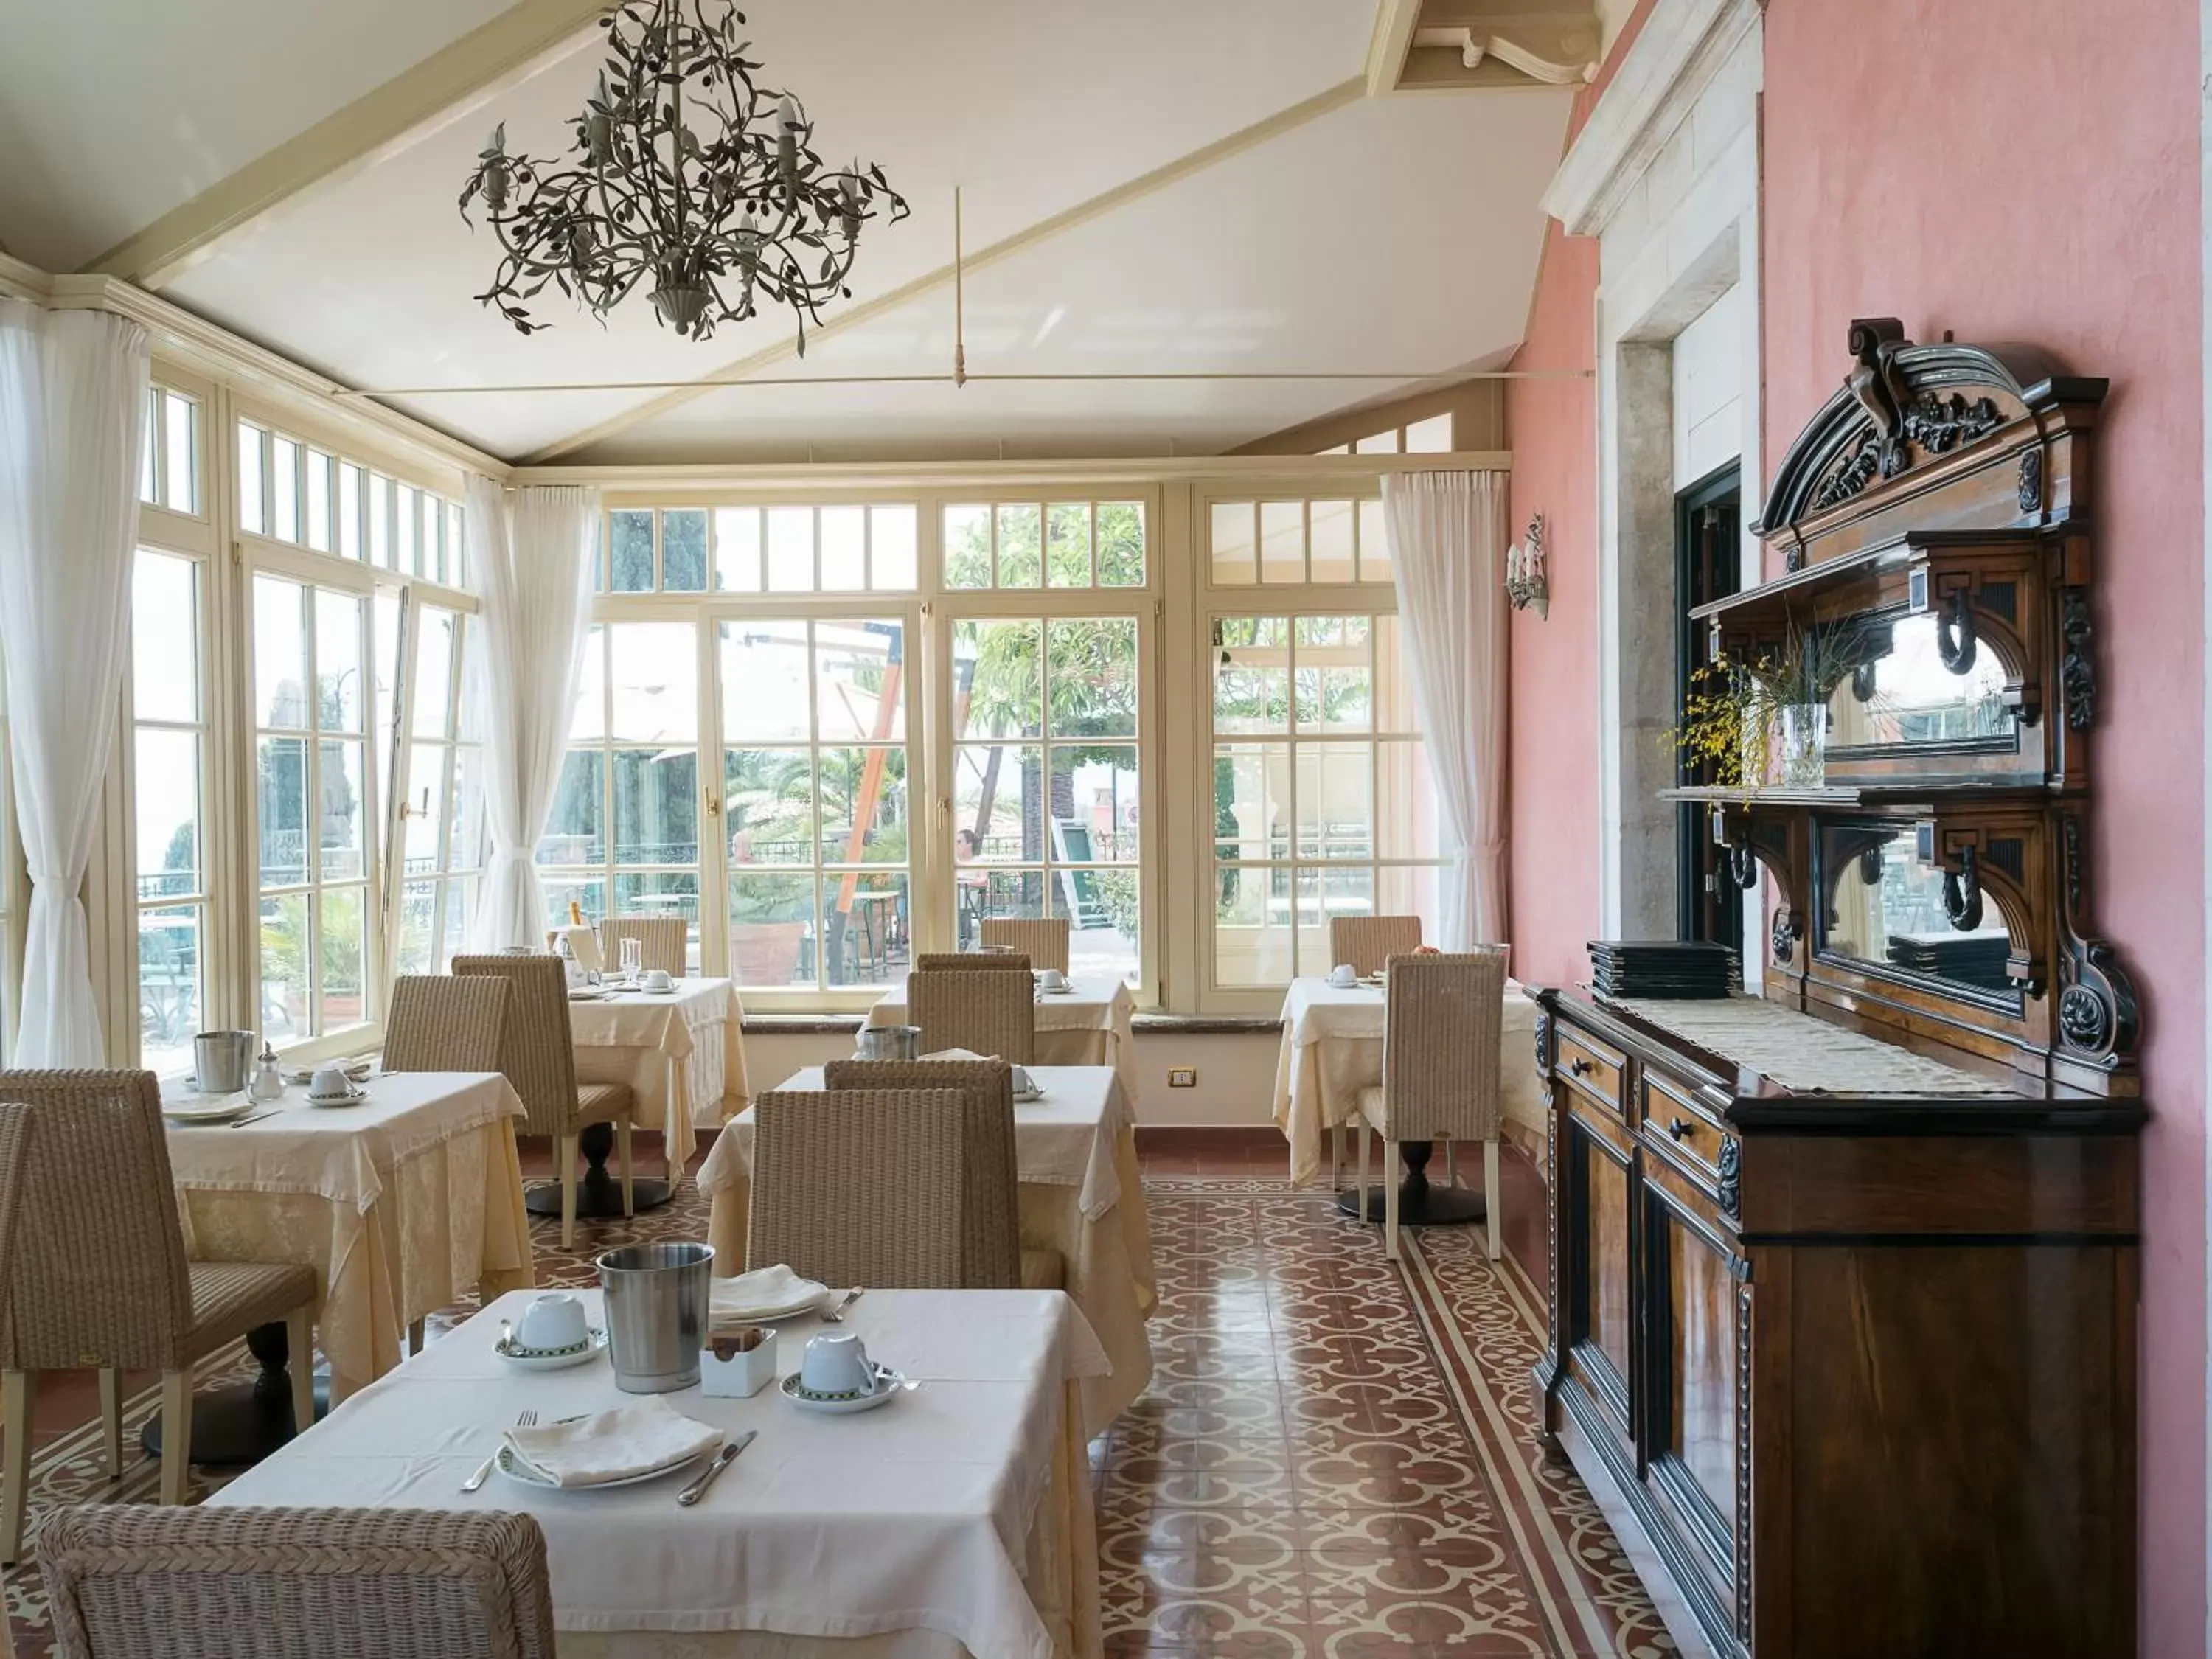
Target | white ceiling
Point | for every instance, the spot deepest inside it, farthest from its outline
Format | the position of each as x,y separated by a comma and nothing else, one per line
1396,234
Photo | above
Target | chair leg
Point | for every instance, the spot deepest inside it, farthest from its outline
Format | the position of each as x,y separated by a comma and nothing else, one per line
111,1418
299,1337
176,1434
1493,1199
629,1166
1335,1155
1363,1171
1451,1162
564,1158
417,1335
1389,1217
18,1390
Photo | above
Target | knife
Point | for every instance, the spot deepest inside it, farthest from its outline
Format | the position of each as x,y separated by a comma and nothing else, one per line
697,1490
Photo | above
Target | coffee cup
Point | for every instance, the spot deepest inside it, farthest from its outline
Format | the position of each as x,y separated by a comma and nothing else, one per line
1053,980
552,1322
834,1362
1344,973
1023,1083
657,979
330,1082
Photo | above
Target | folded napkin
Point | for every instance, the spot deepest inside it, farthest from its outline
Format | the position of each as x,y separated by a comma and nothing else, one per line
765,1290
959,1054
631,1440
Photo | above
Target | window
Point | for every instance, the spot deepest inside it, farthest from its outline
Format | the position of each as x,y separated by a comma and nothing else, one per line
168,470
168,757
441,834
1295,543
291,491
1322,803
853,548
815,799
1033,544
1435,435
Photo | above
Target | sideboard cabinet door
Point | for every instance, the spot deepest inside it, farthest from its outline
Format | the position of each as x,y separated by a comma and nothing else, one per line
1597,1301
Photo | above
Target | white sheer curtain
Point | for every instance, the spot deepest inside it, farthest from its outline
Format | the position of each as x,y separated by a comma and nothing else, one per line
1448,551
72,414
534,548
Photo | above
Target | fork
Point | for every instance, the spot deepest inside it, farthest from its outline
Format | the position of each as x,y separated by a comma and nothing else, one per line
525,1420
837,1314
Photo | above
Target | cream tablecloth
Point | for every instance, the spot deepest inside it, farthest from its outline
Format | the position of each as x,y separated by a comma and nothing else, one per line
1080,1194
961,1509
1086,1024
1333,1048
402,1205
684,1054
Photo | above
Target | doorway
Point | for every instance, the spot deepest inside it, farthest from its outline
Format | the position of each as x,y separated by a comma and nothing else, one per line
1707,565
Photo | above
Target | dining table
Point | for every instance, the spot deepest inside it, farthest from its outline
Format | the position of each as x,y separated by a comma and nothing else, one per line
1088,1024
1331,1048
956,1519
403,1203
1078,1193
683,1052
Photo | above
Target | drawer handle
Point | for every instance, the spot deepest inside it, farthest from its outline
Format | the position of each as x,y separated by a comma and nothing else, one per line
1677,1128
1580,1066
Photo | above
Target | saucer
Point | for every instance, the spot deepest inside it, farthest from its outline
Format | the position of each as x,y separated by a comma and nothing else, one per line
1055,990
1022,1098
351,1097
836,1405
551,1359
664,991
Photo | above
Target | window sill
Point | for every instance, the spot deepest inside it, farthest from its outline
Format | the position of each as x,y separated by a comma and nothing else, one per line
1206,1025
803,1025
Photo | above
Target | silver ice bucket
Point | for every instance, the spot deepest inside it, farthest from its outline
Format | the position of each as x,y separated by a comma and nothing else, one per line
656,1302
219,1060
889,1043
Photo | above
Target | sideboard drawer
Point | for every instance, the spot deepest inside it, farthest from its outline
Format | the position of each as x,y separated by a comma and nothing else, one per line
1672,1120
1590,1067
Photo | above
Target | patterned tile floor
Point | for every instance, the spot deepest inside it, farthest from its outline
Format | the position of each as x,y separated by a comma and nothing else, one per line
1337,1458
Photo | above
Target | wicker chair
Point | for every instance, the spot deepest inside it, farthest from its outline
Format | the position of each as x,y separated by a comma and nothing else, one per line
538,1055
992,1257
1368,942
15,1150
99,1277
937,961
665,941
1042,939
985,1010
130,1583
1440,1074
441,1023
861,1186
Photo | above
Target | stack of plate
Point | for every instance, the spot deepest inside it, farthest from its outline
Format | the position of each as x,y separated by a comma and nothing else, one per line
1970,956
1662,968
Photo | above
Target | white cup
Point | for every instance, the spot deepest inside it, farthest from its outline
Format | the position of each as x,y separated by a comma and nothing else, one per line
552,1321
1023,1083
1343,974
836,1362
1053,980
330,1082
657,979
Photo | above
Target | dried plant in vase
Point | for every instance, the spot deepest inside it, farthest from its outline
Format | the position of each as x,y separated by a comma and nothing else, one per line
1761,720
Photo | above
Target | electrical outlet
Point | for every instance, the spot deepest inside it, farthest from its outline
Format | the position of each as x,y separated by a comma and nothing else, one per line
1183,1077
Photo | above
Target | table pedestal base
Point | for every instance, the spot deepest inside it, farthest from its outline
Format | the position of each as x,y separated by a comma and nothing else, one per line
1419,1205
598,1193
241,1425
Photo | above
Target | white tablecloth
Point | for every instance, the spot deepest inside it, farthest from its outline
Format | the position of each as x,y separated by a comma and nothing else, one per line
1080,1194
962,1509
684,1054
1086,1024
1333,1048
402,1205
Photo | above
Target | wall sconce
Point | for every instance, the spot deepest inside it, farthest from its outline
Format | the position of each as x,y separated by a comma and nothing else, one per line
1525,584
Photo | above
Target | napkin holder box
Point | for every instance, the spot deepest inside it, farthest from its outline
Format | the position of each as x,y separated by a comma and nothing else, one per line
743,1373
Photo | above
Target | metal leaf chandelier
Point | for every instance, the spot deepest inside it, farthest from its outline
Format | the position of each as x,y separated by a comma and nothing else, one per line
685,174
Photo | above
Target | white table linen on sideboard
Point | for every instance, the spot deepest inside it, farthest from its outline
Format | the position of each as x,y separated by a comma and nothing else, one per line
963,1508
1079,1194
1089,1023
683,1052
402,1205
1331,1048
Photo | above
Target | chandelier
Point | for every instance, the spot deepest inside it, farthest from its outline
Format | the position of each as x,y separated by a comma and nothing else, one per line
685,175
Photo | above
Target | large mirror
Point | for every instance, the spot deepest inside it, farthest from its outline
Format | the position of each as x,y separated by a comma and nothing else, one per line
1886,907
1906,697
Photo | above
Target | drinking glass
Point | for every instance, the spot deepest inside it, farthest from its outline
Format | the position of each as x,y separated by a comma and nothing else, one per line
633,958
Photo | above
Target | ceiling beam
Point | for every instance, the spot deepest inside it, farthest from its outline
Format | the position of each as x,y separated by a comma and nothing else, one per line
442,88
1395,23
1183,166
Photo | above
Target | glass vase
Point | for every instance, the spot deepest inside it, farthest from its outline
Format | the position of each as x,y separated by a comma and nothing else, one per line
1802,760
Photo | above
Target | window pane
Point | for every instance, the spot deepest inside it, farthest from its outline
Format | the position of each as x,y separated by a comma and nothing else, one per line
575,831
1406,821
1102,908
1324,894
844,549
767,797
349,487
1335,809
656,806
764,667
861,681
1374,544
1282,541
684,551
1251,675
150,447
1332,541
791,549
457,546
1394,687
344,818
1121,544
630,541
654,673
864,928
588,893
169,959
1409,890
406,521
165,675
999,803
891,558
338,661
1381,443
180,437
319,501
433,672
1233,542
1067,545
738,550
1335,691
772,932
167,788
1095,811
465,840
418,921
250,507
1021,555
342,958
283,794
284,968
1252,927
967,547
1430,437
663,895
284,474
1251,800
863,806
1092,672
428,801
385,620
996,689
460,910
280,654
587,720
379,521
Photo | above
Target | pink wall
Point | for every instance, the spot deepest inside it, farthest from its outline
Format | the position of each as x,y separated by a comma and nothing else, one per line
2027,170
